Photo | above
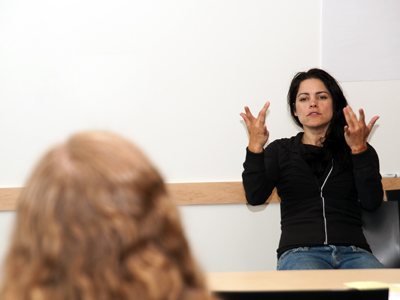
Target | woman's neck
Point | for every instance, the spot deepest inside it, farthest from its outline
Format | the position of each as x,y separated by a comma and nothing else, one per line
313,138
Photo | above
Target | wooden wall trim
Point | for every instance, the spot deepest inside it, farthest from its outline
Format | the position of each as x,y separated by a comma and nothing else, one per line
8,198
191,193
211,193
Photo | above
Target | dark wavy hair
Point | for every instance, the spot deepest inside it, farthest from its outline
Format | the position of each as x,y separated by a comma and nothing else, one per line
334,142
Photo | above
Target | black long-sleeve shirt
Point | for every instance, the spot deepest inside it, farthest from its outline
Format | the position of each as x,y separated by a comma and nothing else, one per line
313,212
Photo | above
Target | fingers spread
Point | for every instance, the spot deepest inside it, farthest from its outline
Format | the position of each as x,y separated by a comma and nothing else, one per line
245,118
372,122
356,131
253,122
346,130
266,105
350,116
263,111
362,115
248,112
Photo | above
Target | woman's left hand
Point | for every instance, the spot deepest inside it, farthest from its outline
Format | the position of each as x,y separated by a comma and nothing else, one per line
356,132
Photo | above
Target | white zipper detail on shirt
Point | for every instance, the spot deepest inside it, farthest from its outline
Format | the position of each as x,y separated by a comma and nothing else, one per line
323,205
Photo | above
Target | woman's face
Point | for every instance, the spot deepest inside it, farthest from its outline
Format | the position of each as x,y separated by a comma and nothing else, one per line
313,105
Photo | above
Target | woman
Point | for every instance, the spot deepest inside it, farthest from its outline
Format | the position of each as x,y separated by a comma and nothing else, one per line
95,222
324,176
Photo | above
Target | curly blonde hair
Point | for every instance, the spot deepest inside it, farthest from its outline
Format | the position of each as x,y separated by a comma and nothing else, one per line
95,222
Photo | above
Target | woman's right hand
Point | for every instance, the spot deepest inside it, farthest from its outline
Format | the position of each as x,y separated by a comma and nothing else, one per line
258,133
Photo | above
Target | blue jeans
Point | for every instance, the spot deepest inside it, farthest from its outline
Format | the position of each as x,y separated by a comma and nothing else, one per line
327,257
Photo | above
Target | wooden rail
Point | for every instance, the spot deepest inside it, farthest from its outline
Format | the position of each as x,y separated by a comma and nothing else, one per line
191,193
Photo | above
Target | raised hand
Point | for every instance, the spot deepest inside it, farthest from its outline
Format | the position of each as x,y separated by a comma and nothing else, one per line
258,133
356,131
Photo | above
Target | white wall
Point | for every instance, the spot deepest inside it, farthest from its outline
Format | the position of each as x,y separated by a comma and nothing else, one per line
233,237
360,39
172,76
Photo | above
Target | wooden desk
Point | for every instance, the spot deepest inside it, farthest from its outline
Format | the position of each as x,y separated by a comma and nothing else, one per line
311,280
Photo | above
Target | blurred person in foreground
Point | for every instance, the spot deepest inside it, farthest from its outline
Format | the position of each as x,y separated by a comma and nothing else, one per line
95,222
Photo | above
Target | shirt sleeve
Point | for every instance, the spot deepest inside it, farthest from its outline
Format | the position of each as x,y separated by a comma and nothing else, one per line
368,179
261,172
